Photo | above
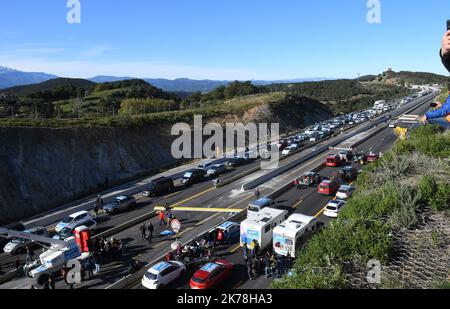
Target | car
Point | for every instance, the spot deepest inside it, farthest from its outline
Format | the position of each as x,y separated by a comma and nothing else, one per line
328,187
282,145
14,226
231,231
333,160
333,208
69,230
19,245
238,161
162,274
346,155
345,192
120,203
205,165
289,150
348,174
193,176
71,219
360,158
372,157
211,274
307,180
159,186
216,170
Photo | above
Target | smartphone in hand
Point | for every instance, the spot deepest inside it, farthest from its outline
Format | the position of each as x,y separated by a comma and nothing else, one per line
448,24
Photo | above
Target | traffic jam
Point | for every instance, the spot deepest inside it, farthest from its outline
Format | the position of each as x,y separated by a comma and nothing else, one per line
269,237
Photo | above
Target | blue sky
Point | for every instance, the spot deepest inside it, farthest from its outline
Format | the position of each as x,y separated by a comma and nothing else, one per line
222,39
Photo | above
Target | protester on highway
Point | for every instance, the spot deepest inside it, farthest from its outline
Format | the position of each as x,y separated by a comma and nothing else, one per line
51,283
97,262
267,264
162,218
17,263
257,193
143,230
220,237
150,229
249,270
445,50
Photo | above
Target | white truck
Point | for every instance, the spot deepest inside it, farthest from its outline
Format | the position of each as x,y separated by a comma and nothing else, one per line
54,259
288,235
260,227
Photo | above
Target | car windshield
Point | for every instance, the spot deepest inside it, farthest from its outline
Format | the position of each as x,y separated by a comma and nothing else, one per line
253,208
345,191
151,186
331,207
151,276
198,280
67,220
18,240
187,175
65,232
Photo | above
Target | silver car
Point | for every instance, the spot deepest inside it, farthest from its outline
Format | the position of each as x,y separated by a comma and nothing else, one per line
19,245
216,170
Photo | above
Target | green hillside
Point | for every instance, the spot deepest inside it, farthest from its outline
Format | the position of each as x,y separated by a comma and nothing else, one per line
49,85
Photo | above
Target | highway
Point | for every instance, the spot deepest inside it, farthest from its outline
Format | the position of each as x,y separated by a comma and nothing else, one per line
205,195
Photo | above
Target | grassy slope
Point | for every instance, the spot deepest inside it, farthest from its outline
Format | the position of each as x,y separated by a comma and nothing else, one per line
236,107
414,175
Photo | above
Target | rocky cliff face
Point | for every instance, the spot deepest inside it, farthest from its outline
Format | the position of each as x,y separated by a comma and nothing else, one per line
42,168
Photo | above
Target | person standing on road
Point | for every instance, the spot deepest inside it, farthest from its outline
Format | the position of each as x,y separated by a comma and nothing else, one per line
257,193
143,230
267,264
17,263
249,270
162,218
150,232
51,283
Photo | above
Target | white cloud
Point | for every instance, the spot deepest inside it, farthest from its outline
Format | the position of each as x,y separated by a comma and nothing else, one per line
140,69
96,51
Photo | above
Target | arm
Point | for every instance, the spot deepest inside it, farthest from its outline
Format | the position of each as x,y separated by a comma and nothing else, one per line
445,61
441,112
445,50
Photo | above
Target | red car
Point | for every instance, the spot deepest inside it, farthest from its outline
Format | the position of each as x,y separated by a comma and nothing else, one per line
333,160
328,187
211,274
372,157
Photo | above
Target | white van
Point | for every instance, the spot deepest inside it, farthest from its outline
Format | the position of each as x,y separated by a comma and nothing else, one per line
260,227
287,235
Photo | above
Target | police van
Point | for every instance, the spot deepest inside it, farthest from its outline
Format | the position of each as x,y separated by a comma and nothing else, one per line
287,235
260,227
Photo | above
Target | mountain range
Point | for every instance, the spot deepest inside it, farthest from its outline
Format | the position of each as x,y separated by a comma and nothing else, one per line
10,78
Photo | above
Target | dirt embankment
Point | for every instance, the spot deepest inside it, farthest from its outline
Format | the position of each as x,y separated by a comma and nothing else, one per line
42,168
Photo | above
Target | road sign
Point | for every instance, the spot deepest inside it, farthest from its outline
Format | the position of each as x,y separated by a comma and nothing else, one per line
176,225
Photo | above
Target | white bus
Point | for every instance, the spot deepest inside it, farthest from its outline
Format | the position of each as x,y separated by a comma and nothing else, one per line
287,235
260,227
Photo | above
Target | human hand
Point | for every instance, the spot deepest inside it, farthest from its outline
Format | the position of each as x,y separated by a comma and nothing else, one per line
445,48
423,119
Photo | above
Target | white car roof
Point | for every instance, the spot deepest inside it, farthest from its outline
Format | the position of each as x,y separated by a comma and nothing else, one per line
78,213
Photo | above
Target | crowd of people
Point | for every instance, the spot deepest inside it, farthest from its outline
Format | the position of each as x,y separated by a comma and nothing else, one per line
269,264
